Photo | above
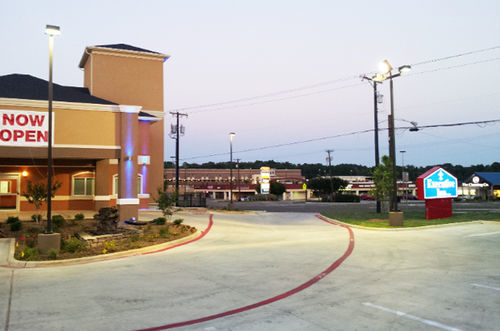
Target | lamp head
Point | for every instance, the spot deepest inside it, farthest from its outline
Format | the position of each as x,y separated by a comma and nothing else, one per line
378,78
384,67
52,30
404,69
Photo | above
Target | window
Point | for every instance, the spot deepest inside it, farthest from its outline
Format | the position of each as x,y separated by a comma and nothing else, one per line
83,184
4,186
139,184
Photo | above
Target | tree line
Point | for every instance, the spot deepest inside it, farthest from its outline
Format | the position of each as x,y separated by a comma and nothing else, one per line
313,170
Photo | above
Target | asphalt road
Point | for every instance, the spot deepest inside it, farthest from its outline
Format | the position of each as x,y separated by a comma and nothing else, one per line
440,278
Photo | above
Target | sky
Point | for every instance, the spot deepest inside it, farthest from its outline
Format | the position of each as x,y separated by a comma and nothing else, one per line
295,68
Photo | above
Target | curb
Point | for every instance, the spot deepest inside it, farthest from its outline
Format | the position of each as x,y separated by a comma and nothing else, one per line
13,263
414,228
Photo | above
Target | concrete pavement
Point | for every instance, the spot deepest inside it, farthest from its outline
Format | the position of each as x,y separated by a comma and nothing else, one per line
432,278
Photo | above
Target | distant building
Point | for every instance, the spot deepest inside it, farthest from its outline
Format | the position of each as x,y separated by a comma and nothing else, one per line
481,184
216,182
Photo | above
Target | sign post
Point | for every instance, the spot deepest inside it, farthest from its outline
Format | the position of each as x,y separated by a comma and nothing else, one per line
265,183
437,187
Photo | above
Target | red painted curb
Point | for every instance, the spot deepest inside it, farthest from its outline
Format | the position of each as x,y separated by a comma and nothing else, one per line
281,296
108,258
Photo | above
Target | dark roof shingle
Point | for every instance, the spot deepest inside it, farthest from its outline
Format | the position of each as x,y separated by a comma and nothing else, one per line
127,47
20,86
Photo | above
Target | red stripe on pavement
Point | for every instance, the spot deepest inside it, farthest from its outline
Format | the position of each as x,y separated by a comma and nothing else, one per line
299,288
203,233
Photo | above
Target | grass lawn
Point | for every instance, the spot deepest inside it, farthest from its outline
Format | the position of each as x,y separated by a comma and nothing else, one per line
411,218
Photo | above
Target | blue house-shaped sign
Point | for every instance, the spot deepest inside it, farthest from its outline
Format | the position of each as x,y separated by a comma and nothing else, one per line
437,183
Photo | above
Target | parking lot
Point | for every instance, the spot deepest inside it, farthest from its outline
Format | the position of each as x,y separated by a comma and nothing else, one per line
273,271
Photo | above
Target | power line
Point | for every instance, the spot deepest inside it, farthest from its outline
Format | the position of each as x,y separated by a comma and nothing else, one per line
225,104
456,55
343,135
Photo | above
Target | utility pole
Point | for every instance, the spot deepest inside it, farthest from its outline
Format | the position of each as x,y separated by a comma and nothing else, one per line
175,134
329,159
238,181
375,120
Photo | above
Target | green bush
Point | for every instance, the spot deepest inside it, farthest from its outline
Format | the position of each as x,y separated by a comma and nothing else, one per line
58,221
29,253
164,233
263,197
52,254
73,245
12,219
110,246
79,217
16,226
178,221
135,237
160,220
32,231
346,198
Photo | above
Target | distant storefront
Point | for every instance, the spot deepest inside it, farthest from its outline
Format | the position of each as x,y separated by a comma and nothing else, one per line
482,184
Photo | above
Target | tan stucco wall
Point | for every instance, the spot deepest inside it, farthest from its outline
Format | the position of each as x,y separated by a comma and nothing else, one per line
127,80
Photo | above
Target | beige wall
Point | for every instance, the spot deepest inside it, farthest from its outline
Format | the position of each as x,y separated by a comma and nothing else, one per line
127,80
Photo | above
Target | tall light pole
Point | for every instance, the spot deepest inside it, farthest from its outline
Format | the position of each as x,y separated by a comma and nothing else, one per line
374,83
175,133
231,135
386,70
51,31
238,180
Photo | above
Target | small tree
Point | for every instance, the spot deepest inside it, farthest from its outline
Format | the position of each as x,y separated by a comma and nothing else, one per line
166,202
37,194
275,188
382,178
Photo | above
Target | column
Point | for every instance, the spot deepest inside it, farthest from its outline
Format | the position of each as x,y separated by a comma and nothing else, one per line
103,178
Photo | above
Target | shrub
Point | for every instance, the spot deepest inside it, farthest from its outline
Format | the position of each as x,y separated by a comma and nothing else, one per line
263,197
33,231
29,253
178,221
79,217
58,221
135,237
16,226
73,245
12,219
346,198
164,233
110,246
52,254
160,220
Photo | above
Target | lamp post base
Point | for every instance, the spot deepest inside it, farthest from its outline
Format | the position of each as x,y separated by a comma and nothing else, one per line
396,218
48,241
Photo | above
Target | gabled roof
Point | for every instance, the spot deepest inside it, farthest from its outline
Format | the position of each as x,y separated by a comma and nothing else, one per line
492,178
127,48
123,49
18,86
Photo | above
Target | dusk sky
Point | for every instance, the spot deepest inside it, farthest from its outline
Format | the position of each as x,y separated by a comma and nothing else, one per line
295,68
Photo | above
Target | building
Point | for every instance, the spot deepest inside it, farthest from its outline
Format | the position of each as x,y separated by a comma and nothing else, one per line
482,184
107,135
216,182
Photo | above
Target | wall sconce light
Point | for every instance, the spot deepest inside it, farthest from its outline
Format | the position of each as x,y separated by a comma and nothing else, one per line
128,158
24,173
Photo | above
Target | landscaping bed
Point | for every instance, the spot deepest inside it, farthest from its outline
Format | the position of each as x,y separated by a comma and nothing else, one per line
77,241
411,218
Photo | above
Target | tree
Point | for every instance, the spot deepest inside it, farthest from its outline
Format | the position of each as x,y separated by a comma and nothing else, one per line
37,194
322,185
166,202
382,178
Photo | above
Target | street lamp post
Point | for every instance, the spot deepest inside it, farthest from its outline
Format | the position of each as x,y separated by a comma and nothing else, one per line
231,135
51,31
386,69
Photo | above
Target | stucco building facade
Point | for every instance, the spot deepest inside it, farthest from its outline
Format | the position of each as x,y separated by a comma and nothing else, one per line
108,135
